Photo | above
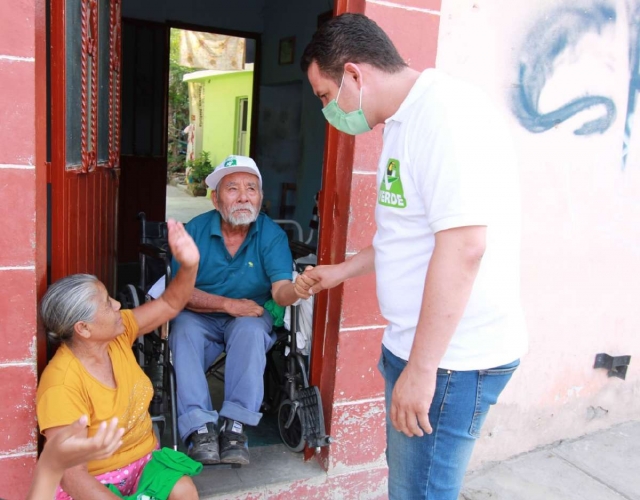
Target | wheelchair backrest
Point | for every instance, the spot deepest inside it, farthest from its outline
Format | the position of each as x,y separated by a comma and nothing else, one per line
153,233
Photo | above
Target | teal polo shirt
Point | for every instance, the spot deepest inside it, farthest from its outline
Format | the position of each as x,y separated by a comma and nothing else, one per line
263,258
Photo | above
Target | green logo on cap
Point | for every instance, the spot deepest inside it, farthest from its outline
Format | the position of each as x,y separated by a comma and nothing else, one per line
231,162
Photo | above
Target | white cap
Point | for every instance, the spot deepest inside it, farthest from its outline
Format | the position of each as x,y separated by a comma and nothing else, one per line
231,165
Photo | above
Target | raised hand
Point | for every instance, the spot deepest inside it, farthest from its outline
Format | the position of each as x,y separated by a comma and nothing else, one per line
183,248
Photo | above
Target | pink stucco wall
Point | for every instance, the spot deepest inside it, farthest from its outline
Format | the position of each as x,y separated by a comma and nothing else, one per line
17,247
581,205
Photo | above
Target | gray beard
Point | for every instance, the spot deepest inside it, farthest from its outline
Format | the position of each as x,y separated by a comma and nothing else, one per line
241,219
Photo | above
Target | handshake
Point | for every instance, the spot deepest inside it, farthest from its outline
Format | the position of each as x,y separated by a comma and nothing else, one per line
307,283
315,279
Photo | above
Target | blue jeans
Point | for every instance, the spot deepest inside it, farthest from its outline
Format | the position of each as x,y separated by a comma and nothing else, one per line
433,466
196,341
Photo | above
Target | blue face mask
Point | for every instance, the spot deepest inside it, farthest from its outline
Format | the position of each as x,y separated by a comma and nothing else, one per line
353,123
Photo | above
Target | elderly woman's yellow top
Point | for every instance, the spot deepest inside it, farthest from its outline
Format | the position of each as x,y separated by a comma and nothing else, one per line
67,391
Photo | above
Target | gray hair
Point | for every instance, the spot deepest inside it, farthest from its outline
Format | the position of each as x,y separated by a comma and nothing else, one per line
67,301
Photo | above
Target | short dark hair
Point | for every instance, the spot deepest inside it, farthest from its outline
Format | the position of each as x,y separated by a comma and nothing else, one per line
351,38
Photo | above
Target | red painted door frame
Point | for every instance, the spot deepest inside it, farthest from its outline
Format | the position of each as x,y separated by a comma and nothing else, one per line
42,167
334,203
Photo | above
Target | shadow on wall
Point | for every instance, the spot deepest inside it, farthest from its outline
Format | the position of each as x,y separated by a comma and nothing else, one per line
557,39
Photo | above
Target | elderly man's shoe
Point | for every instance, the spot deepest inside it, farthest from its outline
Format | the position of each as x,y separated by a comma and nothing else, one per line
234,444
203,445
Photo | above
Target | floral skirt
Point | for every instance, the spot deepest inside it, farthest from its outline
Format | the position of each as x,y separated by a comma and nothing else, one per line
125,478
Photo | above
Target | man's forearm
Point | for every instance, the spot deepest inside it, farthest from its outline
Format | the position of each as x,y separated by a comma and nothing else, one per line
204,302
360,264
452,271
324,277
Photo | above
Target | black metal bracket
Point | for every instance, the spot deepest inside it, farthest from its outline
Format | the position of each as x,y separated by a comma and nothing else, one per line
617,365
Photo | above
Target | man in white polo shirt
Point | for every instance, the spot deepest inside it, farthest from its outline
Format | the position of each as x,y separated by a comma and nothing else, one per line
446,250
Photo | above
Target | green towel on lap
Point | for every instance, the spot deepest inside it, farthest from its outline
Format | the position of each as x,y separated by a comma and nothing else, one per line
276,311
161,474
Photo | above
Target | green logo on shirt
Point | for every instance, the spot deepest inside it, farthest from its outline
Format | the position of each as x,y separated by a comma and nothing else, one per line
391,193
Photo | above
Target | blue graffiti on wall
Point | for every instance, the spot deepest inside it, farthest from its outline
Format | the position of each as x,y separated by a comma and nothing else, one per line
562,30
634,81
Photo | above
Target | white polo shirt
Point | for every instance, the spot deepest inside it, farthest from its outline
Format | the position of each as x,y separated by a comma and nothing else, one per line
448,161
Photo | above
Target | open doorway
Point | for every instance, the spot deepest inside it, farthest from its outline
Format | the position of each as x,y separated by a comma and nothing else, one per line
278,123
209,111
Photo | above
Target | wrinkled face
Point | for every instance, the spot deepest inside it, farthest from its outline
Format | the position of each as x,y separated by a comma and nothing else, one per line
238,198
107,323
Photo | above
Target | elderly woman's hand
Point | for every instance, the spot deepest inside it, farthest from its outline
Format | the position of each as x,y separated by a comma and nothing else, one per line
71,446
68,447
183,248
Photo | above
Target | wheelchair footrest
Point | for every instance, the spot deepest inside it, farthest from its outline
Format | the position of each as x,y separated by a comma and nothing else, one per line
223,466
312,418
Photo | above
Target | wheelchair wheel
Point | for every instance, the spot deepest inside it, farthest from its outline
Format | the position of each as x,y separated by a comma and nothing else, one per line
292,435
130,297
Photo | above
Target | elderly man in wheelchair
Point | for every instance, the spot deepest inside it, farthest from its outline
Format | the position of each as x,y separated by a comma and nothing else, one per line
245,261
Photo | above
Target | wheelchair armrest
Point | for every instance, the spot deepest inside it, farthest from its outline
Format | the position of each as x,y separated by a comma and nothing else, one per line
295,224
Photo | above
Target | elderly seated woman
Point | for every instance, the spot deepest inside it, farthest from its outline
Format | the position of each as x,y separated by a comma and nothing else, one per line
95,373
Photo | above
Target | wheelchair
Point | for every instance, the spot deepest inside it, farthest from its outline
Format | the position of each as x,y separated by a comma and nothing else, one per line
152,350
287,389
300,416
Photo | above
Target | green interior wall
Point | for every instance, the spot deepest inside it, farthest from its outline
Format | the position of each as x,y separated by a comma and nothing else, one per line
220,96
